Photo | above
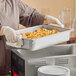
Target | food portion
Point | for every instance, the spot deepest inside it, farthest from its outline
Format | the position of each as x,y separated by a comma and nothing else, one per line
39,33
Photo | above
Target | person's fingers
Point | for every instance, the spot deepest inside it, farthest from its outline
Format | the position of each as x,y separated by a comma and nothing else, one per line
8,38
62,25
54,25
59,23
14,39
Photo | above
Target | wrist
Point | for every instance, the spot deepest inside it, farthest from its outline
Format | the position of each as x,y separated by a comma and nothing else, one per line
2,29
45,20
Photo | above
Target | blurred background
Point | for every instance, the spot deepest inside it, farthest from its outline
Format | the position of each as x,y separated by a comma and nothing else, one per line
52,7
64,10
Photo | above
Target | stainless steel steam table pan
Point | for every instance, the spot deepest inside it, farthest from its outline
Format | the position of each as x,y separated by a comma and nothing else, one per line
46,41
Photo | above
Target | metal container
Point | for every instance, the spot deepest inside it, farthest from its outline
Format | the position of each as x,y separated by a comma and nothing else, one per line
51,70
43,42
46,41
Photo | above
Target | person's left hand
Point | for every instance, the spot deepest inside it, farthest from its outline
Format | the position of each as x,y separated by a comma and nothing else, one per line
10,34
52,20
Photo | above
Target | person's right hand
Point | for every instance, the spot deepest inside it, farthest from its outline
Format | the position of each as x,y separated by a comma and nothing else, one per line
10,34
53,20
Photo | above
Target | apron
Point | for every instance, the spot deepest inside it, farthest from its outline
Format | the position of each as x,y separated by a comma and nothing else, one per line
8,17
13,12
5,62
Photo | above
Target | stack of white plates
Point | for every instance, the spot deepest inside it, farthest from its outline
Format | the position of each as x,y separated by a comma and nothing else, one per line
53,71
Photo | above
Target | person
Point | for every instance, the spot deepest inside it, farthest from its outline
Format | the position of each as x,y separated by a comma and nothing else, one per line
13,13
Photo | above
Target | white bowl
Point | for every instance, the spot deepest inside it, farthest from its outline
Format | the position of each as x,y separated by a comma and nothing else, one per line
53,71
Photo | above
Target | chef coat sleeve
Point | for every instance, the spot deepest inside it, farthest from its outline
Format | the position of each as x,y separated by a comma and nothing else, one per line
30,16
0,23
0,26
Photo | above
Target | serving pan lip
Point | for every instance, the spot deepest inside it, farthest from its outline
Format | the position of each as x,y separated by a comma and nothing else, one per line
40,26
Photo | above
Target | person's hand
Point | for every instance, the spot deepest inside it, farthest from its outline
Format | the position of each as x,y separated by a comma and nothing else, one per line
10,34
52,20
